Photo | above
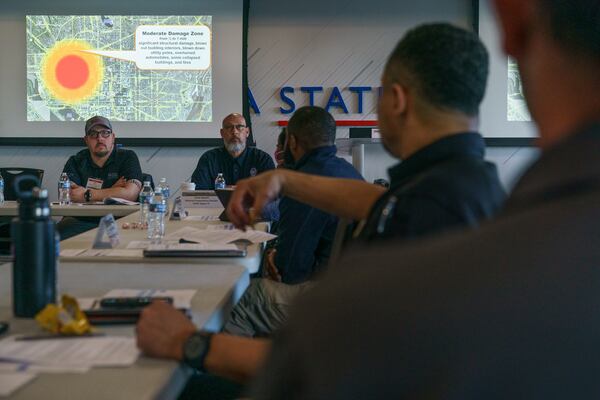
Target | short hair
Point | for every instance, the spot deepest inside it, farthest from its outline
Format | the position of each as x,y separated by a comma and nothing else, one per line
447,66
312,126
574,24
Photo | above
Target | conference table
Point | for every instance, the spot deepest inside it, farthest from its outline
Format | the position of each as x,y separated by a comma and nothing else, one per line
219,282
11,209
218,289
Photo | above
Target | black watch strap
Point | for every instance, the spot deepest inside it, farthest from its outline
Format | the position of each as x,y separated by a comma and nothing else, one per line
195,349
87,195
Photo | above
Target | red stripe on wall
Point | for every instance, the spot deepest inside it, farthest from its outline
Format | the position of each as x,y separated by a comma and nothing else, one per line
343,122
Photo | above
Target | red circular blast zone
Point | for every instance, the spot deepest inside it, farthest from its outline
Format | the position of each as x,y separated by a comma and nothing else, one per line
72,72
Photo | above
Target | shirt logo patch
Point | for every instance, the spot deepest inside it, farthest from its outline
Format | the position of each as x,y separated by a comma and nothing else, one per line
113,175
252,171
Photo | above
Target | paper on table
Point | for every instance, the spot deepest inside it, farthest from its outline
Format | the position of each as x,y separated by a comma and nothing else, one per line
182,298
51,369
101,253
202,218
220,235
220,227
11,381
186,230
258,236
143,244
107,351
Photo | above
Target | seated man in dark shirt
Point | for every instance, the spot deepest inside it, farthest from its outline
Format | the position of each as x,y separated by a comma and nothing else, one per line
234,160
427,116
98,172
305,234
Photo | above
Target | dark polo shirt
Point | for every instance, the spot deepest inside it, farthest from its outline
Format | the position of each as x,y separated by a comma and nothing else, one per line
305,233
121,163
250,163
445,185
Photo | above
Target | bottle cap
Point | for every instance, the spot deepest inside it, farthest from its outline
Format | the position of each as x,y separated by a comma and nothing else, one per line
39,193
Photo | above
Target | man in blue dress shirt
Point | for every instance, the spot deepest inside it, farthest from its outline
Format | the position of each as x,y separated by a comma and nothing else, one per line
234,160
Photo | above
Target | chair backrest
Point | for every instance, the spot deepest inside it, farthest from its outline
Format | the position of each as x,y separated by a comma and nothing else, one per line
9,175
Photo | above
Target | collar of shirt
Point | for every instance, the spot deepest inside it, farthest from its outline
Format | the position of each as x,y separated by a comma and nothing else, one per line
239,160
322,152
567,168
468,144
111,159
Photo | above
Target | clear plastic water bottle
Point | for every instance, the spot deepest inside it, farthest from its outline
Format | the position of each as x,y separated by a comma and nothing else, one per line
146,195
156,217
220,182
166,192
1,190
64,190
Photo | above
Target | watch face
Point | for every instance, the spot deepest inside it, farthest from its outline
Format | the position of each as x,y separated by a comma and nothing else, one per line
195,347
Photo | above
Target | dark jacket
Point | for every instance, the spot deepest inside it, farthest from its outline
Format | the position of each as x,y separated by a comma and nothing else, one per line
305,234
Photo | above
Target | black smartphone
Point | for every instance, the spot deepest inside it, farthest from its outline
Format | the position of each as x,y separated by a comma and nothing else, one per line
131,302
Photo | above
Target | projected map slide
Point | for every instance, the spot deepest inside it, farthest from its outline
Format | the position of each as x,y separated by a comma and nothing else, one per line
516,109
126,68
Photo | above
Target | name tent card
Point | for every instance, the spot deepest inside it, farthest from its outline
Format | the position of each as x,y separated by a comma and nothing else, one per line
200,199
107,227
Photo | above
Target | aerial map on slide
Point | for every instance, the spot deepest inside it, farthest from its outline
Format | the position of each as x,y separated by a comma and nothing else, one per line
126,68
516,105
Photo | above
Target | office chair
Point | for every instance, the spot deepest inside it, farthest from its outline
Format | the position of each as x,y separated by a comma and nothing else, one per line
9,175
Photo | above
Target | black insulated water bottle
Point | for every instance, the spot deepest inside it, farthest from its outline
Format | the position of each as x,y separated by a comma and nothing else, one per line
34,250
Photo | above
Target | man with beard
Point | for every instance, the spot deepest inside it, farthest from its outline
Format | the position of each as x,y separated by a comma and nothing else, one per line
234,160
98,172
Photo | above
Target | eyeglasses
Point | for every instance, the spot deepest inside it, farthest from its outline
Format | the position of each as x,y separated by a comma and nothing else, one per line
95,134
238,127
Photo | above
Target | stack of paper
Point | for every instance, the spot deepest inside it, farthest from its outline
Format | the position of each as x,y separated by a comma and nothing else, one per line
106,351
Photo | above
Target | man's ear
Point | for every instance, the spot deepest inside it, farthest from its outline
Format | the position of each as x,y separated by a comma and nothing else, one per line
516,18
399,98
292,143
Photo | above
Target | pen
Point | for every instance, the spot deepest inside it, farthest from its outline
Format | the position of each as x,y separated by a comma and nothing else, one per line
57,336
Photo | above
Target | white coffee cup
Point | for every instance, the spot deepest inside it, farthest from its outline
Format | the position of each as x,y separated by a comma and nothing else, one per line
188,186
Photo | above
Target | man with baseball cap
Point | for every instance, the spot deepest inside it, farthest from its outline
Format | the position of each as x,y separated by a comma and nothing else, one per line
98,172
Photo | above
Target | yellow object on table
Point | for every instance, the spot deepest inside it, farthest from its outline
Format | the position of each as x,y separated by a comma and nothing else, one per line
64,319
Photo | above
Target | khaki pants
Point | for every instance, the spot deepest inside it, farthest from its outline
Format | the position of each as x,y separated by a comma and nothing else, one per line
264,307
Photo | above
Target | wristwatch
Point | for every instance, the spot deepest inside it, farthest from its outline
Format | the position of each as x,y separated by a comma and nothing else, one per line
87,195
196,348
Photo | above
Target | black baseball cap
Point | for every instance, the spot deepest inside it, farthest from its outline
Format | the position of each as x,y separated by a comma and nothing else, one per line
95,121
